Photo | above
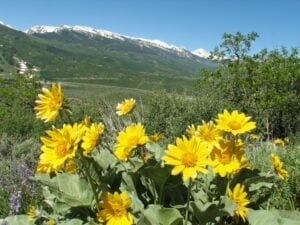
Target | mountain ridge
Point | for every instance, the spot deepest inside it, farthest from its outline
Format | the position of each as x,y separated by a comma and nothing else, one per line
42,29
70,55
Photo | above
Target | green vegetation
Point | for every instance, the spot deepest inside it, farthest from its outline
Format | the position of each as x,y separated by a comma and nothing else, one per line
72,56
265,86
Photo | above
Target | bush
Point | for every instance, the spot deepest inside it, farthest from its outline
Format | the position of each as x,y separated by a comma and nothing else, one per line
17,116
265,85
170,114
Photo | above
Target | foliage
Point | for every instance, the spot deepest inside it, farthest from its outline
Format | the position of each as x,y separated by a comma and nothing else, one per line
157,192
77,57
17,117
17,165
170,113
265,85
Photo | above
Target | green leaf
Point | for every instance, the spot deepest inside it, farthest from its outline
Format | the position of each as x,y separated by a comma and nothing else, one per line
67,188
274,217
229,205
51,200
75,191
104,158
156,149
17,220
159,175
205,212
72,222
128,184
157,215
258,186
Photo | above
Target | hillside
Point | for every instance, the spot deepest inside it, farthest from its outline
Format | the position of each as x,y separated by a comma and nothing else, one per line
80,55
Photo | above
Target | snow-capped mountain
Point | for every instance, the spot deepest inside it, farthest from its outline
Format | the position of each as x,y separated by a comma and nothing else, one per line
201,53
4,24
111,35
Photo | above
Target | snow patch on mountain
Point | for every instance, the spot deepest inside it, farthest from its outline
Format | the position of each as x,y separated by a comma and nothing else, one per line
4,24
201,53
80,29
106,34
181,51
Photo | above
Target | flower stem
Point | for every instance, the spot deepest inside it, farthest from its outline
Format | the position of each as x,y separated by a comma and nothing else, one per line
90,180
188,202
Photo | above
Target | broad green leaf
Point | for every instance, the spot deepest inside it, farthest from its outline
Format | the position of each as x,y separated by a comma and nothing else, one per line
229,205
17,220
157,215
104,158
72,222
158,175
129,181
206,212
156,149
274,217
257,186
46,179
52,201
74,191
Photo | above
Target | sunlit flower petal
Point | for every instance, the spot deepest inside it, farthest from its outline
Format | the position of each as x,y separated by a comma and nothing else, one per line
278,167
239,196
129,139
59,146
114,209
125,107
188,157
235,122
49,103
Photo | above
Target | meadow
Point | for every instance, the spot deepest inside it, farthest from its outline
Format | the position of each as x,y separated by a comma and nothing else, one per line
225,150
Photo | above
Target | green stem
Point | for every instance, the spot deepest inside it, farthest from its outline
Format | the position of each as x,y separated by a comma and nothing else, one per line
188,202
90,180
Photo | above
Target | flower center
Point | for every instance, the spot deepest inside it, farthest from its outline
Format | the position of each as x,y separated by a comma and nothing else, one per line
189,159
55,104
62,149
133,141
225,158
234,125
118,210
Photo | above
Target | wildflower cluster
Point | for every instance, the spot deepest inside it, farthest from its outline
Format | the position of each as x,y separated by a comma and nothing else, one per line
132,179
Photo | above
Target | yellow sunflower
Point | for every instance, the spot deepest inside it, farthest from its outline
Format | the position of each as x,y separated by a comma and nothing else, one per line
224,161
59,146
239,196
51,222
91,137
277,165
49,103
125,107
235,122
129,139
155,137
279,141
192,131
188,157
31,213
209,134
114,209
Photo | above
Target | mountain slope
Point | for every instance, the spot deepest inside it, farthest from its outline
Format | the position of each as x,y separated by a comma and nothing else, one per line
87,55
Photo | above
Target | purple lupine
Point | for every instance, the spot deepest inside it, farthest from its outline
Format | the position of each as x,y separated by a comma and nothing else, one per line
15,203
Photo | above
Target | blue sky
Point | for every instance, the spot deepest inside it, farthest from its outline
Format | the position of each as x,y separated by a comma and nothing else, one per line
186,23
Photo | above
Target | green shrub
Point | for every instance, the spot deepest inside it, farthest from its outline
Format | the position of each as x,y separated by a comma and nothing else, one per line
170,114
17,116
